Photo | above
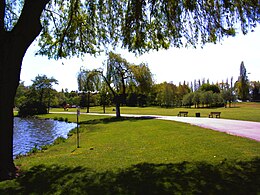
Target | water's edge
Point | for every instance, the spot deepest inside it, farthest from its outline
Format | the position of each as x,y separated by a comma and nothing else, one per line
32,133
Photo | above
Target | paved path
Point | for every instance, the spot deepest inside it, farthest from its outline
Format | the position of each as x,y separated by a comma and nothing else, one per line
246,129
234,127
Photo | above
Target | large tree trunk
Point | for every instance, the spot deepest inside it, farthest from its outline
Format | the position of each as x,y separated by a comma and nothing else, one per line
117,102
8,85
13,46
10,66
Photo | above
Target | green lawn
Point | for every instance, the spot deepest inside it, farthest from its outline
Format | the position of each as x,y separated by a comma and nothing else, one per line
119,144
239,111
142,156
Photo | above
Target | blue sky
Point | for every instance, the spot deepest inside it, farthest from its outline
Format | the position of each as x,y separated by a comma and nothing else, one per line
215,62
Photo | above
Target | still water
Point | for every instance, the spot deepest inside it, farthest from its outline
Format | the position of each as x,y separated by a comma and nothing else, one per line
29,133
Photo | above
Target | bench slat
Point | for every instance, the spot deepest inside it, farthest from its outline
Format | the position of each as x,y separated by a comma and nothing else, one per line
217,114
183,112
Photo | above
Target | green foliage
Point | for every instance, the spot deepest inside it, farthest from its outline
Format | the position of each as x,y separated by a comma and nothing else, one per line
20,96
242,85
37,98
255,88
60,119
31,108
77,27
188,99
204,98
209,87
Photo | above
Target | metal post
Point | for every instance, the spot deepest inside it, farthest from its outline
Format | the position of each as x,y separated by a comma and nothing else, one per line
78,113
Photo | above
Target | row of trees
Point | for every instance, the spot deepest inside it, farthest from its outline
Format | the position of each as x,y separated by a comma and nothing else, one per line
209,96
128,84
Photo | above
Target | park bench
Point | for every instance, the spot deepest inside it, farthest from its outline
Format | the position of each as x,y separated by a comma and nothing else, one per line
217,114
183,112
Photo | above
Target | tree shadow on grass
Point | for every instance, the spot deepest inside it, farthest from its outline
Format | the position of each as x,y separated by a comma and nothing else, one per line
182,178
115,119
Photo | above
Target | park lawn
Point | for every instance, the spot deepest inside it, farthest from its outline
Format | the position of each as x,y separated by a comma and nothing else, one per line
248,111
139,156
109,144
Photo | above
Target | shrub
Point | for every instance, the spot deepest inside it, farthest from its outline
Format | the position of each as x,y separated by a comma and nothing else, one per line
31,108
60,119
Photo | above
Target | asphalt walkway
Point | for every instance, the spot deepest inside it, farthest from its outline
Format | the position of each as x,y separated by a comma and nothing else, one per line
240,128
246,129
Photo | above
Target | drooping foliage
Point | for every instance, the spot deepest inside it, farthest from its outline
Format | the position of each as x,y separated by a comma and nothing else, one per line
75,27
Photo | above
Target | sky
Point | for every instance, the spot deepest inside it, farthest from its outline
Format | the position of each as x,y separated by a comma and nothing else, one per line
215,62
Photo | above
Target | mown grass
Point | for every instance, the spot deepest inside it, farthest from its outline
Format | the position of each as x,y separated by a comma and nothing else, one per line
137,156
108,144
141,156
239,111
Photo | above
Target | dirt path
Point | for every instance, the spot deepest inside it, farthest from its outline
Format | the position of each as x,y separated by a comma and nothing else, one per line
240,128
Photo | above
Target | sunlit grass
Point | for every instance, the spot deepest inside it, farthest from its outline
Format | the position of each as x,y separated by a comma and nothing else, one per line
108,144
239,111
141,156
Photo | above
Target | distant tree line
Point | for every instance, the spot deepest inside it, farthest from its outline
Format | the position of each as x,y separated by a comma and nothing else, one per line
126,84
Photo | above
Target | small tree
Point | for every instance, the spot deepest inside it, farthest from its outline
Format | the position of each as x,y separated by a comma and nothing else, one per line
206,98
188,99
38,97
196,99
255,90
242,85
88,81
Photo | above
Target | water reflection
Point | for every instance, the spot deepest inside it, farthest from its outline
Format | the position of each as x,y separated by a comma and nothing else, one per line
29,133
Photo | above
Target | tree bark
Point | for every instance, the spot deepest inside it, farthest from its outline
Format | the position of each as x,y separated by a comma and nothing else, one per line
88,99
13,46
116,97
117,102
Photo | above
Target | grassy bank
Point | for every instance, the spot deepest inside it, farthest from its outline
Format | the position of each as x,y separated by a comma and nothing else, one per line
109,144
140,156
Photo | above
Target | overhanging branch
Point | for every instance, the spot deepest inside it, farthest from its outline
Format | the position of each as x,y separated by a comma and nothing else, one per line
29,25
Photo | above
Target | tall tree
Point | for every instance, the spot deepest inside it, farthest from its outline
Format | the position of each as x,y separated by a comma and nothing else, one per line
242,85
43,85
255,88
117,77
39,96
88,81
143,81
76,27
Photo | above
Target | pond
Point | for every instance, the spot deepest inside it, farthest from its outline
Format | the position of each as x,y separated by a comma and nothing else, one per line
30,133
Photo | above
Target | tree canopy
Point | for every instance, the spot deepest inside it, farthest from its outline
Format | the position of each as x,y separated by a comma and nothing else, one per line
76,27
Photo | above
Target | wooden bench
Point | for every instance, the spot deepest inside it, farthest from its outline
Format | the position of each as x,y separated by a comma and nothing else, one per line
183,112
217,114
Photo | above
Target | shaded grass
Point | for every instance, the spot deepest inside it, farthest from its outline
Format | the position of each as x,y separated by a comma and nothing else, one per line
228,177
